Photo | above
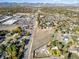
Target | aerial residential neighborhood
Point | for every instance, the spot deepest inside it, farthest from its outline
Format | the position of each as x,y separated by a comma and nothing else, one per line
15,36
39,29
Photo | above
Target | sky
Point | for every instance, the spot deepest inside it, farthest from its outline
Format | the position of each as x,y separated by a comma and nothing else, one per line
43,1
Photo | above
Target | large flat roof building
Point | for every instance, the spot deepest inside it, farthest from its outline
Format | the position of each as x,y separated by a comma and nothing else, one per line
10,22
5,18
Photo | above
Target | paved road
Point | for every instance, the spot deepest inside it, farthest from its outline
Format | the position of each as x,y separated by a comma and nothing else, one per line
28,54
29,46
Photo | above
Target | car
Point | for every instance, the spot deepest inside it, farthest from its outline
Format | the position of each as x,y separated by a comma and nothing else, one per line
2,38
27,41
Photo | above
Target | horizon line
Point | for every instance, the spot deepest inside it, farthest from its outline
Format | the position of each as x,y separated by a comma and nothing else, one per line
40,2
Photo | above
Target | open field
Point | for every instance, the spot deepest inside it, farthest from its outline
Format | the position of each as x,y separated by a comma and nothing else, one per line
41,37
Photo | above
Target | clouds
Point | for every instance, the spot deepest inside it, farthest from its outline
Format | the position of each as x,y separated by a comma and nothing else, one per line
43,1
70,1
56,1
66,1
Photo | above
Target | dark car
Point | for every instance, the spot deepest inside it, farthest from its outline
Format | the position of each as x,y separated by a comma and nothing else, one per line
2,38
27,41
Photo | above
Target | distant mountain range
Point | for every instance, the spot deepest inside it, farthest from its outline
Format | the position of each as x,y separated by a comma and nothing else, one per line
6,4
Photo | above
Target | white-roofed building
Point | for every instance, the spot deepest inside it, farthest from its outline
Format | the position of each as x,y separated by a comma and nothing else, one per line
10,22
5,18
